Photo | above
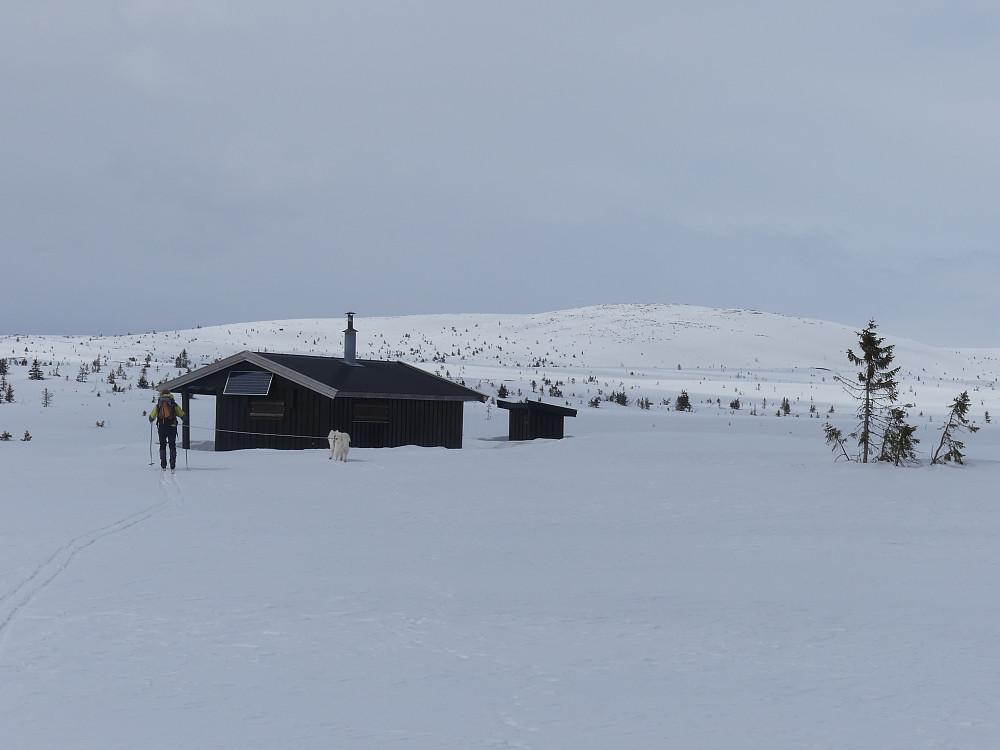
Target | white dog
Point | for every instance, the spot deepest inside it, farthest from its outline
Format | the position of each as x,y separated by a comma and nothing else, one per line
339,443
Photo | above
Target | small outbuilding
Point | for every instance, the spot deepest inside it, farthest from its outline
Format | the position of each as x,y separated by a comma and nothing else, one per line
528,420
292,401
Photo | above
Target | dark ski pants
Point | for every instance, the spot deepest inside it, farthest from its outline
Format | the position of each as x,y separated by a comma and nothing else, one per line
168,436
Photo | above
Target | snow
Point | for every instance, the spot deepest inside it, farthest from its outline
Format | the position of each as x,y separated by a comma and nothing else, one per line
656,579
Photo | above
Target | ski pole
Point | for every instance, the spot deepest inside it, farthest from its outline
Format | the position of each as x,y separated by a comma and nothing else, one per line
150,443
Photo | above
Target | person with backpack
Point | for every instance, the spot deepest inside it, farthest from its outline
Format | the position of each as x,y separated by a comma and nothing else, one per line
165,414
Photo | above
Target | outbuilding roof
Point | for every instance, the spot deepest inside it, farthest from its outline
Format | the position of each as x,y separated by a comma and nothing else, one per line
536,406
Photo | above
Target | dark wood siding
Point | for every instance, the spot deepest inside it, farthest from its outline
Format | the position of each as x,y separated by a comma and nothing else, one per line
519,424
548,425
305,420
409,422
428,423
526,423
309,417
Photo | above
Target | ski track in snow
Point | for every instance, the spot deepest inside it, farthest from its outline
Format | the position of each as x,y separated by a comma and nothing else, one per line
21,595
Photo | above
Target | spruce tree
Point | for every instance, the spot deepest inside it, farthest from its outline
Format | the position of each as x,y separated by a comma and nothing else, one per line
875,388
35,373
957,421
898,443
683,402
835,439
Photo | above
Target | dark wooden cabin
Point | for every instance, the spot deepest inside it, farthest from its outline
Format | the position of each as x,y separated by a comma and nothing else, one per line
292,401
532,419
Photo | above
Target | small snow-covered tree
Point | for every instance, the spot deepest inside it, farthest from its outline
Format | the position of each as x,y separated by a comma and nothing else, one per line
620,398
835,439
957,421
682,402
35,373
898,443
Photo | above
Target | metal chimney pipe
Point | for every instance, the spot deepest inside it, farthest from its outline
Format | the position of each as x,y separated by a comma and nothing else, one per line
350,340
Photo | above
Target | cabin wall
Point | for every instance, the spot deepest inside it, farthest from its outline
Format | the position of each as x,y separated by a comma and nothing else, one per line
548,425
390,423
307,417
519,425
288,418
529,424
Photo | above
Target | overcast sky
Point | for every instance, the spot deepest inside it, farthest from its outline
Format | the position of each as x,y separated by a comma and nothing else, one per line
176,163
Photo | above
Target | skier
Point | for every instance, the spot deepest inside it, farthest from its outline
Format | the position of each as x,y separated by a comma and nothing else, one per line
165,414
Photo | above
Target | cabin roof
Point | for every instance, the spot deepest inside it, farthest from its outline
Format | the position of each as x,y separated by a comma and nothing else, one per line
333,376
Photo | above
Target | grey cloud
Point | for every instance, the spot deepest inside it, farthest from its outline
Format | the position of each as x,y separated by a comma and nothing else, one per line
453,156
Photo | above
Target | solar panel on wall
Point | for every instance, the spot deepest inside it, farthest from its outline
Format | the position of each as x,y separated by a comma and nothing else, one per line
248,383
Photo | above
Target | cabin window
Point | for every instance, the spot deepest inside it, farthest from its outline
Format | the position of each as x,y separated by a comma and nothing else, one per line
371,411
267,409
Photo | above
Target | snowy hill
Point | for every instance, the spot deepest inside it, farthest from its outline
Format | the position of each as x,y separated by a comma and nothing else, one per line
651,351
657,579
